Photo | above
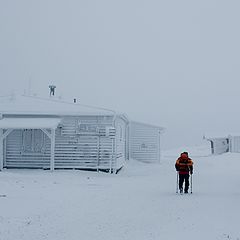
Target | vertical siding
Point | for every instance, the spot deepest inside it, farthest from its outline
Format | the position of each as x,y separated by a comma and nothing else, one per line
234,143
144,142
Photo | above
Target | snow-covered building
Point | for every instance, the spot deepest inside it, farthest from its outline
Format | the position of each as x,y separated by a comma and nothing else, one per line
222,143
52,134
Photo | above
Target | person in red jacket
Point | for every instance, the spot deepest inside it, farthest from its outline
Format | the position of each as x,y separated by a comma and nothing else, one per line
184,166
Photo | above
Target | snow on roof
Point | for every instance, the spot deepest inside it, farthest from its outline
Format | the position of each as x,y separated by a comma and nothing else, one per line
29,123
51,106
226,134
161,129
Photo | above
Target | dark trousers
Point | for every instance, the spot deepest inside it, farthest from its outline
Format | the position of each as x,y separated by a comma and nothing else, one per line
182,178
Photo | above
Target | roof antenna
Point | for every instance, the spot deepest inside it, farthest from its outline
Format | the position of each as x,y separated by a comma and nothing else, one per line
52,90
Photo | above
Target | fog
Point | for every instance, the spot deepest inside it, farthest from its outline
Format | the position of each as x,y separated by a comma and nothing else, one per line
169,63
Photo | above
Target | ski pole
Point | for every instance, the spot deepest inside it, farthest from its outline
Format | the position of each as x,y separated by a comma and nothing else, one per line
177,184
191,183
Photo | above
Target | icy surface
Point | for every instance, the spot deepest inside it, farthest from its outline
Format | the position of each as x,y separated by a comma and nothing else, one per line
139,203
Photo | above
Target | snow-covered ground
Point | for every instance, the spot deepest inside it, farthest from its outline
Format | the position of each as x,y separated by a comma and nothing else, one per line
140,203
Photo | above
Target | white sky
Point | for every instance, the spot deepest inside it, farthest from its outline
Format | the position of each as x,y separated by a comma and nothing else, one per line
170,63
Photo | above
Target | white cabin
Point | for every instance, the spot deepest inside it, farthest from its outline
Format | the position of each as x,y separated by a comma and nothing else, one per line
52,134
224,143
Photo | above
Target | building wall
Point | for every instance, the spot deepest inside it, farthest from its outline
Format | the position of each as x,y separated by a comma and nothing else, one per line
81,142
144,142
219,145
27,148
234,143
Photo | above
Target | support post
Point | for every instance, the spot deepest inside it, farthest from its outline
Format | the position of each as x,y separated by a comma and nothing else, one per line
3,135
46,132
111,160
159,147
98,152
6,133
52,149
230,143
115,155
1,149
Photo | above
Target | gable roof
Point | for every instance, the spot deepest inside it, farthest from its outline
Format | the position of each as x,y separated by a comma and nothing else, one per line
42,106
219,135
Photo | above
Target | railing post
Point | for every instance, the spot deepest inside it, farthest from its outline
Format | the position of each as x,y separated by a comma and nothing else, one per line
52,161
1,149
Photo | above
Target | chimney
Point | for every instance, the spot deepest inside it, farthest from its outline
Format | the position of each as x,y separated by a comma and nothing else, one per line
52,90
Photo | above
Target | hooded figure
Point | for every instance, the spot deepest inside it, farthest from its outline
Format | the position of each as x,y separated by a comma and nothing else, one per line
184,166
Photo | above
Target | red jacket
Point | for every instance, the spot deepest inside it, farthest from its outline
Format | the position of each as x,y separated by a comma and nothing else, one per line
184,164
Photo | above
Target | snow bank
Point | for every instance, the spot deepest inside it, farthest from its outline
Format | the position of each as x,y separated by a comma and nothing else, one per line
139,203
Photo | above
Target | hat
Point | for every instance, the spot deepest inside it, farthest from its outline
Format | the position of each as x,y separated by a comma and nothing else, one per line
184,155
